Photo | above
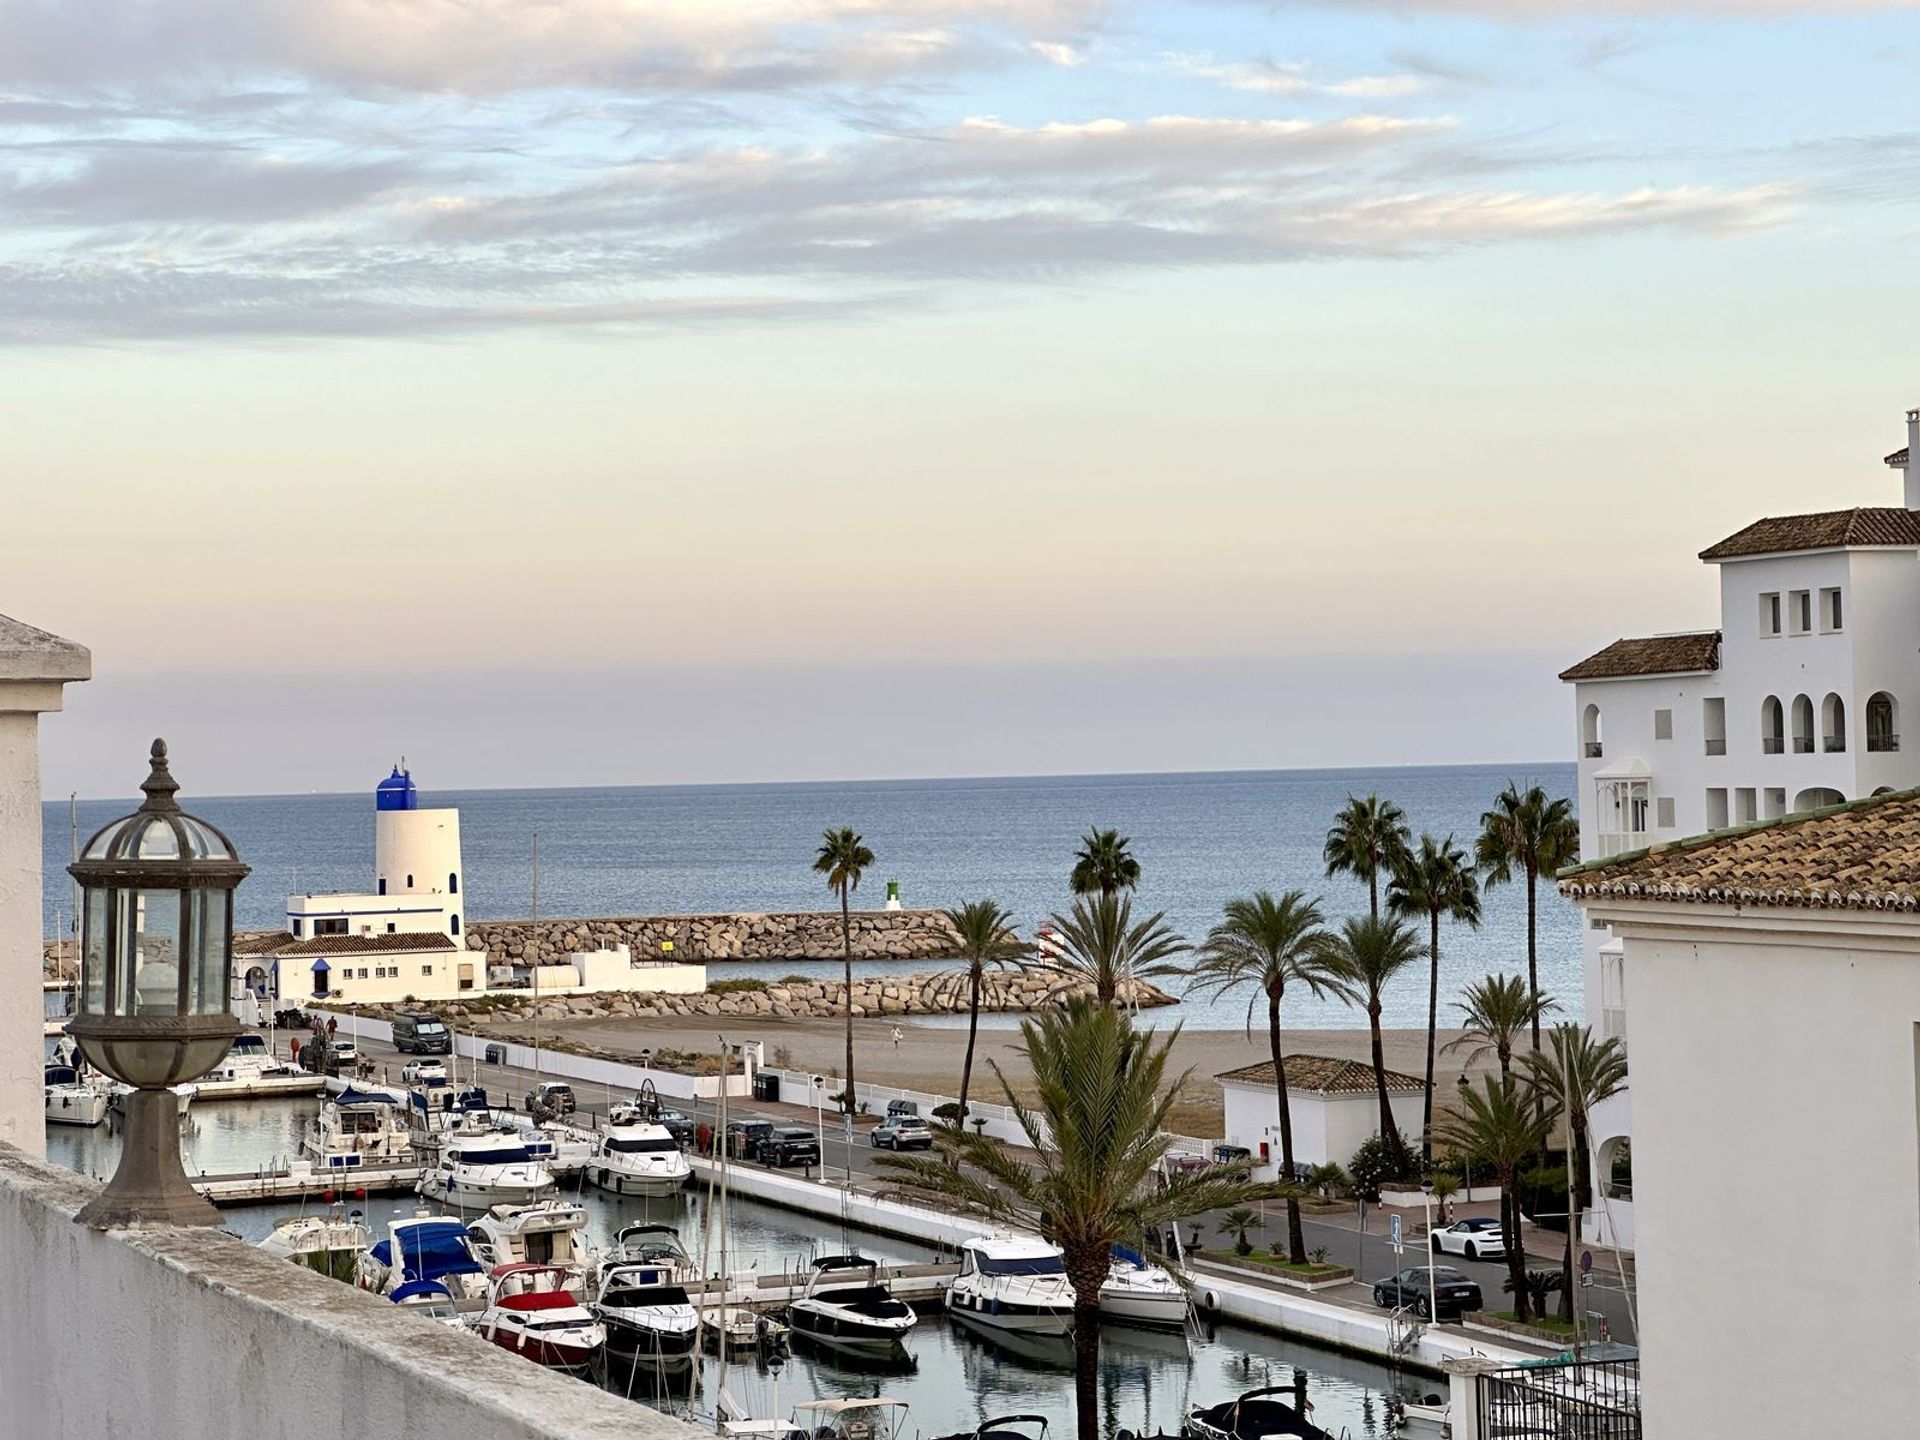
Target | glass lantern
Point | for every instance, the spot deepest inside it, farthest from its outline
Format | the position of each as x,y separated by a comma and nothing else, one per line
155,972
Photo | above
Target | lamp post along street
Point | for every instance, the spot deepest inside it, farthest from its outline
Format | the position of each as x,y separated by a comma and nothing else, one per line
1433,1293
818,1086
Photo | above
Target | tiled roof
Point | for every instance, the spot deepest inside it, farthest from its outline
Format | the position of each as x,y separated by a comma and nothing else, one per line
1654,655
1864,525
367,944
1860,856
260,942
1322,1075
1898,459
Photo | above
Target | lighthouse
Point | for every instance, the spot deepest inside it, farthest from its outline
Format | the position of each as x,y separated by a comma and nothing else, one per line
416,853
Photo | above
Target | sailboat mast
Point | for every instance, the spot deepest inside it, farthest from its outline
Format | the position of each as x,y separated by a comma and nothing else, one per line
534,951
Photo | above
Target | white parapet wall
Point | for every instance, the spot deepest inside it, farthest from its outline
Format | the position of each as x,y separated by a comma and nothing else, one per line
186,1334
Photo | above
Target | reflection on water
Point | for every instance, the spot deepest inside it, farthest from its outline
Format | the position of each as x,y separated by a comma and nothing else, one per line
953,1377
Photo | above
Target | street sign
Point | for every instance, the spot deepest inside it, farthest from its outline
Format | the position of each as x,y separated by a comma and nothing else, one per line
1586,1262
1393,1229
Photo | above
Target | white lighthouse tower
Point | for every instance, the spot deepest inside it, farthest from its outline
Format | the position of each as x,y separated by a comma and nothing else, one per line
416,871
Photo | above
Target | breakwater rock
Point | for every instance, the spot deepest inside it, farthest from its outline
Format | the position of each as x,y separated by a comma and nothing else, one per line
932,993
911,935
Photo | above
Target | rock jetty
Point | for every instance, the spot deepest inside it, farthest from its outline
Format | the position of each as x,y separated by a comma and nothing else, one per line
910,935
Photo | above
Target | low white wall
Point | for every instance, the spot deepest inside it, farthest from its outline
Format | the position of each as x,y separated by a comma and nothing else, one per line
193,1335
797,1088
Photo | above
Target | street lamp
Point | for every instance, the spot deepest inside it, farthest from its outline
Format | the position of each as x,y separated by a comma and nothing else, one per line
819,1088
155,968
1433,1293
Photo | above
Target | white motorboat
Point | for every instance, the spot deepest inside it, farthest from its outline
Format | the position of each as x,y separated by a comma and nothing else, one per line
433,1300
1013,1283
1256,1415
1139,1292
250,1068
846,1305
73,1099
855,1418
645,1308
425,1247
530,1312
639,1160
358,1128
117,1099
564,1149
730,1329
478,1171
329,1244
546,1232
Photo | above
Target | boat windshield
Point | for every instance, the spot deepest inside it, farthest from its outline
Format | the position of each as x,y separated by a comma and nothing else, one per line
628,1297
563,1323
498,1155
1023,1265
660,1146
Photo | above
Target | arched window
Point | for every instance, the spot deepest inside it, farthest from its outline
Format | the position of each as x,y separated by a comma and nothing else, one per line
1833,724
456,924
1590,732
453,883
1773,726
410,878
1883,722
1817,798
1802,728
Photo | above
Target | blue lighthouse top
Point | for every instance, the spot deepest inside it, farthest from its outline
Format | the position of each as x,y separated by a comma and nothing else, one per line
396,792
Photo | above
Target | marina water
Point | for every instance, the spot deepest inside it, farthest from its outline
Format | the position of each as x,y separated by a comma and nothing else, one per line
1201,839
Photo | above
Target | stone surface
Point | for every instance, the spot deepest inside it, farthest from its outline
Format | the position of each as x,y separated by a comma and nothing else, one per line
911,935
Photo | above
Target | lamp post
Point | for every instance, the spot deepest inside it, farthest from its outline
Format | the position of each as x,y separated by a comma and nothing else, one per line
1433,1293
155,968
819,1087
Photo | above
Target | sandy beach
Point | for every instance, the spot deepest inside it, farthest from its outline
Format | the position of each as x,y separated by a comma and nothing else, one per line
928,1057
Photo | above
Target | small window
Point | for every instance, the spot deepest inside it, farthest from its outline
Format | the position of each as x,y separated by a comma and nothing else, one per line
363,972
1830,615
1770,613
1713,724
297,931
1717,812
1746,807
389,927
1800,611
383,884
426,969
456,924
409,882
453,884
1776,802
1663,724
1663,812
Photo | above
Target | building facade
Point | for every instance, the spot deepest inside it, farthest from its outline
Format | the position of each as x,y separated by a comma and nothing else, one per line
1775,1042
416,869
1334,1105
1791,703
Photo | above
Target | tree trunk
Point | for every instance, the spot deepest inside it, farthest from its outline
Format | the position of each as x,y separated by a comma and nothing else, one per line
1533,951
1373,886
846,942
1433,1025
1510,1238
1389,1132
973,1029
1087,1271
1296,1235
1577,1162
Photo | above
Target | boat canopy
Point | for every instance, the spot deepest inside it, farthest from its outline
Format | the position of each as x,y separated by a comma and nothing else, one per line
850,1402
431,1249
1127,1257
844,1262
62,1075
419,1290
351,1096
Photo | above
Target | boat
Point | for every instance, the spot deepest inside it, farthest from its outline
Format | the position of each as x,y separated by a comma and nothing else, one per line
118,1095
1427,1413
545,1232
1138,1292
639,1160
531,1312
1254,1415
329,1244
1004,1427
485,1170
1013,1283
432,1299
649,1317
357,1128
854,1418
846,1305
72,1099
566,1150
428,1247
250,1068
733,1329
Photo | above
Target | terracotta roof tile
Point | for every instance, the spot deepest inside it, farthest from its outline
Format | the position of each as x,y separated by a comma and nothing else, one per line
1860,856
1864,525
367,944
1323,1075
1898,459
1654,655
260,942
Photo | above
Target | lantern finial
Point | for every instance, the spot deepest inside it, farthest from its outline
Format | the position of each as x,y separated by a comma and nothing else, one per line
159,787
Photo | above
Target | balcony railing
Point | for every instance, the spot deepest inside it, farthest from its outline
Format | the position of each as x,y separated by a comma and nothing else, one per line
1772,745
1803,744
1882,742
1591,749
1834,744
1716,747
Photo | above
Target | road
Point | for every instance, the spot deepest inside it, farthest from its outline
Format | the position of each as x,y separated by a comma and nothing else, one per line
1369,1253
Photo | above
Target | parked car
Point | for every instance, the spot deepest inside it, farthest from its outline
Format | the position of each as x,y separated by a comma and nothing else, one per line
552,1097
790,1145
342,1057
1409,1287
419,1072
421,1032
902,1132
1479,1239
744,1138
677,1123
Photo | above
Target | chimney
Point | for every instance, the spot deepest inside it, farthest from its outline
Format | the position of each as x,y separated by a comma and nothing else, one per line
1907,461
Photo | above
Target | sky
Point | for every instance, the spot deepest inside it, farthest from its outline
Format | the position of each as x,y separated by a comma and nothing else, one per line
617,391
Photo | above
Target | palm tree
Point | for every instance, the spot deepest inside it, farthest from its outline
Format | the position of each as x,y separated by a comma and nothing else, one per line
1269,944
1571,1076
1436,881
1104,864
1500,1125
1364,956
1099,945
1495,1012
1530,834
983,934
1094,1179
843,859
1367,840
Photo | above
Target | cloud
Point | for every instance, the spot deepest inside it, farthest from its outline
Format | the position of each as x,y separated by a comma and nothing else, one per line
1288,77
1547,10
1056,53
163,184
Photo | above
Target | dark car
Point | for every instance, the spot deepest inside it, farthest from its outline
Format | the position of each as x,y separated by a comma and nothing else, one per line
420,1032
744,1138
1409,1287
790,1145
677,1123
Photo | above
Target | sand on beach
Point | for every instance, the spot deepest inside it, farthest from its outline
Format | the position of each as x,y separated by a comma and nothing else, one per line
928,1057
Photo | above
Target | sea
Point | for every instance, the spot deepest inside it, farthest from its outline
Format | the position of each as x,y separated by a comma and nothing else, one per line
1201,839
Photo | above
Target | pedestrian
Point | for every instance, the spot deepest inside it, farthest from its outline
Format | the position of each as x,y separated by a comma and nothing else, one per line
896,1037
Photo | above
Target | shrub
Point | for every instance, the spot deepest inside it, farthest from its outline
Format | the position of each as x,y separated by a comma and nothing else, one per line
1543,1196
796,979
1328,1181
948,1110
1318,1254
1373,1165
783,1057
736,987
1237,1223
1541,1286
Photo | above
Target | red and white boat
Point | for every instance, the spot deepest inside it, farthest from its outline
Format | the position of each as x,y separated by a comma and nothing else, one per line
531,1312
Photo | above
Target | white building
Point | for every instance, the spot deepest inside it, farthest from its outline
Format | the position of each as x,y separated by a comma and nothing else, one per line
1334,1104
356,969
1791,703
1775,1040
416,869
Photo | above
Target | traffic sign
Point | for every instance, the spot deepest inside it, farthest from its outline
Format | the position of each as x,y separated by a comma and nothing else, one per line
1393,1229
1586,1262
